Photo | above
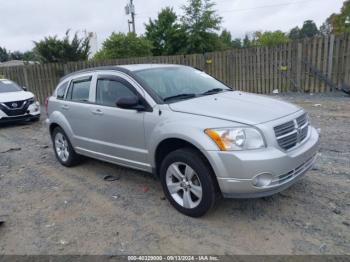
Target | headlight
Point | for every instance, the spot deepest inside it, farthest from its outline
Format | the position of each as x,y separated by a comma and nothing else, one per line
32,100
242,138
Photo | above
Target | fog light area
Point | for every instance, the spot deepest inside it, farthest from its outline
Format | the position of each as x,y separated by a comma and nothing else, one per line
262,180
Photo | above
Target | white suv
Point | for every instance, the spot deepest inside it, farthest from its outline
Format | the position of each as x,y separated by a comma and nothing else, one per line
17,104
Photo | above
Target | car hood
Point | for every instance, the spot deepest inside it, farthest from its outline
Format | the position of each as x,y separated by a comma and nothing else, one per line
15,96
236,106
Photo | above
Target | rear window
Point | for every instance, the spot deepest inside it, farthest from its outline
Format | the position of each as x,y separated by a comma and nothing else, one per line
9,86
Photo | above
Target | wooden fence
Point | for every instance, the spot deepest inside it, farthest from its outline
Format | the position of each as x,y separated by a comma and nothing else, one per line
317,64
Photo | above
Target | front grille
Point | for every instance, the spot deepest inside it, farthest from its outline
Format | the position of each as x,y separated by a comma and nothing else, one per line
16,108
15,104
292,133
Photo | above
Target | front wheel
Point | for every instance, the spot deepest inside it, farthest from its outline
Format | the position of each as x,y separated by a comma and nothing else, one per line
187,182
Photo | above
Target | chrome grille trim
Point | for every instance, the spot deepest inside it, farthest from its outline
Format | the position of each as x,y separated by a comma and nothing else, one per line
292,133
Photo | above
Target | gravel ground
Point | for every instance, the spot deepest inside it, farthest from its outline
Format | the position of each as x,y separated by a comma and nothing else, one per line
55,210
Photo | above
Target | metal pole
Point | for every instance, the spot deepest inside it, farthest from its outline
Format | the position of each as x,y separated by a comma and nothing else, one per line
133,16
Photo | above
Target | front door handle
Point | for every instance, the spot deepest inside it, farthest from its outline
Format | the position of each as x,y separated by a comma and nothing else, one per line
97,112
65,107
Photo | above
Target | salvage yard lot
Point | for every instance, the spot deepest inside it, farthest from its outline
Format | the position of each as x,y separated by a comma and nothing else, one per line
55,210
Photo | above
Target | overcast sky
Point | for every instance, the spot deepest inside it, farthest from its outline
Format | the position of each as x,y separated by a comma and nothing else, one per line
25,21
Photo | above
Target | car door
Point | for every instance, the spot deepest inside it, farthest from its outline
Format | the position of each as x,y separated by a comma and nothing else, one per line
119,133
76,108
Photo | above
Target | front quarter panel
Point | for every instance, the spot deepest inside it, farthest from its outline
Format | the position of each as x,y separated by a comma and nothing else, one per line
164,124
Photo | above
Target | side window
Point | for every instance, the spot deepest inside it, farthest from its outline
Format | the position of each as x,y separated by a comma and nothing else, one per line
61,91
79,90
108,91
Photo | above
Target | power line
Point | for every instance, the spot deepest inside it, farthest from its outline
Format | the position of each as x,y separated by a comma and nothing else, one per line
146,14
265,6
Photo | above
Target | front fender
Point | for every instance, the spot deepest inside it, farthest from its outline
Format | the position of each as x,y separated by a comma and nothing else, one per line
190,130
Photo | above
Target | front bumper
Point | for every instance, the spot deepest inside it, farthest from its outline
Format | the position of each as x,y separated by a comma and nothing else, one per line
32,113
236,171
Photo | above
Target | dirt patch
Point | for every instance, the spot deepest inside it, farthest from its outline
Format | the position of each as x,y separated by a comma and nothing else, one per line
55,210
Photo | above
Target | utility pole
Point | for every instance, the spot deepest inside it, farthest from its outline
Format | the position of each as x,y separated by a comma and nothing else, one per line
130,10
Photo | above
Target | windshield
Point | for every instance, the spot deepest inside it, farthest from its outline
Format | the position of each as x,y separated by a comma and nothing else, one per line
8,86
180,82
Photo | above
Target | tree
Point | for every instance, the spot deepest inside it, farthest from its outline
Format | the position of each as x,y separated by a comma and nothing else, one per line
201,23
237,43
4,54
29,56
226,39
120,45
295,33
326,28
247,42
269,38
166,35
51,49
227,42
17,55
309,29
340,23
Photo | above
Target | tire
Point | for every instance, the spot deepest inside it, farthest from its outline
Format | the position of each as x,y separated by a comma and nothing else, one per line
63,148
183,173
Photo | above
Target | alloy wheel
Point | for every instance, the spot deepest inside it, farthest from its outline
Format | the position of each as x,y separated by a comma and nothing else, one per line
61,146
184,185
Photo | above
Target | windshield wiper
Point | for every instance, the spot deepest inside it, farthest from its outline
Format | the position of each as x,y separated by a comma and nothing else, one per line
180,96
213,91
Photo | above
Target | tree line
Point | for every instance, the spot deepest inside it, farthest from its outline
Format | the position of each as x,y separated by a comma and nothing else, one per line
197,30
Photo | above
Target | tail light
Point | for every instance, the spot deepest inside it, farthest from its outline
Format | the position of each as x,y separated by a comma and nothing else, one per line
47,106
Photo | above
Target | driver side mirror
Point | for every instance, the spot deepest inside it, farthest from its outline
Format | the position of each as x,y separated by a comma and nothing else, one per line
24,88
130,102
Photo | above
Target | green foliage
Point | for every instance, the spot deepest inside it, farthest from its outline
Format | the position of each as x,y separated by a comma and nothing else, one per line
326,28
227,42
120,45
166,35
295,33
269,38
237,43
16,55
226,38
309,29
201,22
29,56
340,23
246,42
4,54
52,49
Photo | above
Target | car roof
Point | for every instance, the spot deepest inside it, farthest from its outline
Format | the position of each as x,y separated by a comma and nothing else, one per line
128,69
137,67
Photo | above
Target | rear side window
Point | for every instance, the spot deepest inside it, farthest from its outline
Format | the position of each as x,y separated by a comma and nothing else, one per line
108,91
61,91
79,90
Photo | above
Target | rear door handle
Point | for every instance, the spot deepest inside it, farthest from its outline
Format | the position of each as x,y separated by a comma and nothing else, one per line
65,107
97,112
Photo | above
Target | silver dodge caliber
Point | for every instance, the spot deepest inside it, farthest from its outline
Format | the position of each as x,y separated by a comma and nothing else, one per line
200,137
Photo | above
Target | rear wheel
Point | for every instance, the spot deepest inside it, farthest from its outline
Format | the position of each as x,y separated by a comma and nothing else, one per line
64,151
187,182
